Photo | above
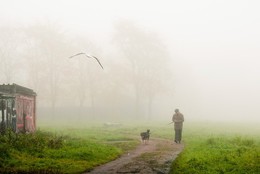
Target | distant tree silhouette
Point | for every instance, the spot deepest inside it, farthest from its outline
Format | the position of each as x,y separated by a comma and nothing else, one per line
149,60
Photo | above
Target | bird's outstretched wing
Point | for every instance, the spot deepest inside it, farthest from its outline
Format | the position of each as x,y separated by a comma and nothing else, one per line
88,56
76,55
96,60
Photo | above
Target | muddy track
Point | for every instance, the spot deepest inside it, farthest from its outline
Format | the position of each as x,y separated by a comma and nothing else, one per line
153,157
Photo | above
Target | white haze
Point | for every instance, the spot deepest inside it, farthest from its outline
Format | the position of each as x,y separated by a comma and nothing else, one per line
213,45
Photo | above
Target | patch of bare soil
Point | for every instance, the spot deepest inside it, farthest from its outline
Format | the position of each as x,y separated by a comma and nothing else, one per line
154,157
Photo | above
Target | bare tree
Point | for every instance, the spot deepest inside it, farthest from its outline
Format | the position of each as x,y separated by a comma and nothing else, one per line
48,46
149,60
87,73
9,42
34,62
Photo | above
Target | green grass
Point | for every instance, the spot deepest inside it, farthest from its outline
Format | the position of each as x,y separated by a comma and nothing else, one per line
53,149
223,149
45,152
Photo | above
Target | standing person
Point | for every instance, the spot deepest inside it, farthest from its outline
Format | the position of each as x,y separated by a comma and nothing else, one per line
178,120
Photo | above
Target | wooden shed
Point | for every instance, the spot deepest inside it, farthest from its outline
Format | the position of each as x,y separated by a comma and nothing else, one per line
18,108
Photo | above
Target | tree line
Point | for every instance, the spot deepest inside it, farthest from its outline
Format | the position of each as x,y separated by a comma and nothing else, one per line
136,69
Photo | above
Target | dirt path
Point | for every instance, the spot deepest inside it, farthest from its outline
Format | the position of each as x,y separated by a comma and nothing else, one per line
153,157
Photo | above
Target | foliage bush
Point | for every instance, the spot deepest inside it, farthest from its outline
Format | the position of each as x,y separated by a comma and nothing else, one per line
32,143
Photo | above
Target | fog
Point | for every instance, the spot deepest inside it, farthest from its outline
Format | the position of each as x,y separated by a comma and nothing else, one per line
199,56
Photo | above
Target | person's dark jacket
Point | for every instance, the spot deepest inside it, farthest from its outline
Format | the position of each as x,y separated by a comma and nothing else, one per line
178,119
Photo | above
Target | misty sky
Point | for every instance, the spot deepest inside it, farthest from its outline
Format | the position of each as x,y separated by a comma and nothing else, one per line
214,45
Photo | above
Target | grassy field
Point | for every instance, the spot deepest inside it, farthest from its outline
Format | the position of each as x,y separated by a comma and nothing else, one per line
220,148
61,150
67,149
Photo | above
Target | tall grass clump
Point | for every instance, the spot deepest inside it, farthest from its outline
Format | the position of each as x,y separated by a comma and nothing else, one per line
16,148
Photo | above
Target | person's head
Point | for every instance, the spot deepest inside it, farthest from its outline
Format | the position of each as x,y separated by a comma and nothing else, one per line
176,110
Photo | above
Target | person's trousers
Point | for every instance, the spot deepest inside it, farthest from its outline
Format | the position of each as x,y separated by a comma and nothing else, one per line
178,134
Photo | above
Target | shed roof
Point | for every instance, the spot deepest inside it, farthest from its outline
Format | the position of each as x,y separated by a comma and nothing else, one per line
15,89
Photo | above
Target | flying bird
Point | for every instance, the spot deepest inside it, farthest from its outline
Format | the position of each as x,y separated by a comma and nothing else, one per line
88,56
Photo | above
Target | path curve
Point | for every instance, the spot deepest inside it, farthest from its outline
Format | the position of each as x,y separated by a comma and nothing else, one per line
153,157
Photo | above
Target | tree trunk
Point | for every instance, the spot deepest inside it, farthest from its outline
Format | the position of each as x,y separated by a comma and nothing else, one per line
150,102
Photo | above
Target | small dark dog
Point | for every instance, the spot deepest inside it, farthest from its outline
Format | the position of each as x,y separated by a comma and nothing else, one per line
145,136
